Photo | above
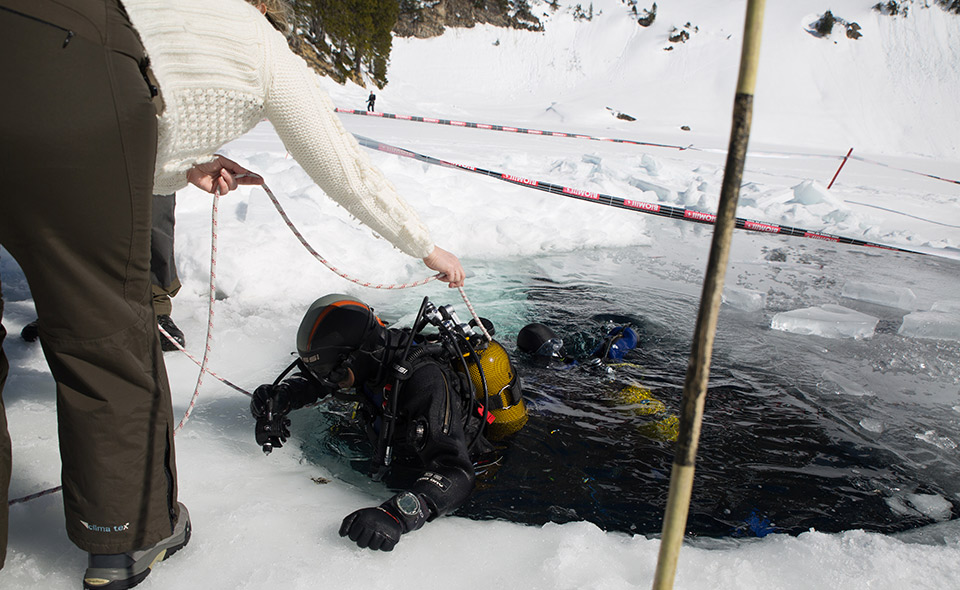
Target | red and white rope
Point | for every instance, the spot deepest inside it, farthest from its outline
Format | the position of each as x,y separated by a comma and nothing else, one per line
223,380
214,224
214,236
323,261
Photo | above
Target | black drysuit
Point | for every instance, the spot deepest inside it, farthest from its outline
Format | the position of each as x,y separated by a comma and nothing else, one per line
434,427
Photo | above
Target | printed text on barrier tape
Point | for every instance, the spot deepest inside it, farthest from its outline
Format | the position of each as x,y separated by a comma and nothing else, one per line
641,206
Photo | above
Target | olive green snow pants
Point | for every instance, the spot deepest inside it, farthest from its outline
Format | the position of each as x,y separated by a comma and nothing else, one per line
77,151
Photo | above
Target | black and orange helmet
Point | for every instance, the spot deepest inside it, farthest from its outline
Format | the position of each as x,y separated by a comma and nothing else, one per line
332,329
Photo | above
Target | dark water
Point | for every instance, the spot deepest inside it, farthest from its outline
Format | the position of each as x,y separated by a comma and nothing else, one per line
783,447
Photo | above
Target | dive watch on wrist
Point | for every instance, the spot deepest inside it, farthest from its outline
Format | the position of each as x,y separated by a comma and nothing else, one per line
408,504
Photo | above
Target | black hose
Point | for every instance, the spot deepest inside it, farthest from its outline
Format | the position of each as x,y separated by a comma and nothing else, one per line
486,391
382,457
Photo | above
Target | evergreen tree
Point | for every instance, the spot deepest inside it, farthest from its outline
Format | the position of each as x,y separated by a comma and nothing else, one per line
352,36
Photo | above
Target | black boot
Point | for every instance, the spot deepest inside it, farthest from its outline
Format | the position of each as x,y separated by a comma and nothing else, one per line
165,322
120,571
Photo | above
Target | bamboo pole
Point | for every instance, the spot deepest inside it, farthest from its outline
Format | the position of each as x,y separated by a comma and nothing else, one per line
698,369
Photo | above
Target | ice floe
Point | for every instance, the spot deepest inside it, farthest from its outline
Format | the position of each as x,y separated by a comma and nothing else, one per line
829,321
890,296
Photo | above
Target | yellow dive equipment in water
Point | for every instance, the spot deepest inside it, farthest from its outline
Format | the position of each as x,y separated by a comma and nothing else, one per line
505,398
642,403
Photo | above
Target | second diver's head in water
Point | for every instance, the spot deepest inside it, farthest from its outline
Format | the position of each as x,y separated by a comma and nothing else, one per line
539,340
618,342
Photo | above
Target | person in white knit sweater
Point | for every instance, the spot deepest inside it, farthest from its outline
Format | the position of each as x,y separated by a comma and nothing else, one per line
221,67
78,222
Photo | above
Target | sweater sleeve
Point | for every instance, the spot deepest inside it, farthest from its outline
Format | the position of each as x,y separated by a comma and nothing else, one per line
305,120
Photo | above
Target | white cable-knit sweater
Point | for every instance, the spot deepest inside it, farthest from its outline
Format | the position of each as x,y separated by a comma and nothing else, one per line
221,68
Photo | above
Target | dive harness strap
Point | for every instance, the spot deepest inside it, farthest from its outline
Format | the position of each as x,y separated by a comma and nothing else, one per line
383,454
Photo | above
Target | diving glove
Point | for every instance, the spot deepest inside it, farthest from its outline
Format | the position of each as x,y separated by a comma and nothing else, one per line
270,406
381,527
270,398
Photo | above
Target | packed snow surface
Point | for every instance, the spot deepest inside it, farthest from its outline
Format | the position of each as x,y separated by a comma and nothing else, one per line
265,522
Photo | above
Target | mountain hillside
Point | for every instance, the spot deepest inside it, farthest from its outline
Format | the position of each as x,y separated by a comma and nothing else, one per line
815,89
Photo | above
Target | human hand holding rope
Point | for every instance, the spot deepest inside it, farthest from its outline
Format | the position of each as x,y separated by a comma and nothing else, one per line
448,265
221,174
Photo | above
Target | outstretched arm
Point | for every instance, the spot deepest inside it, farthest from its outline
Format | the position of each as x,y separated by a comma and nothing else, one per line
448,477
270,405
305,120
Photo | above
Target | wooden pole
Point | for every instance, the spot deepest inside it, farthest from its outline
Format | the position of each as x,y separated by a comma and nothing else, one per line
698,369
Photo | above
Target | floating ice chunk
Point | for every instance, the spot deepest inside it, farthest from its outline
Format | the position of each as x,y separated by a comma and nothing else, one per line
936,325
940,534
846,386
829,321
871,425
899,506
888,295
936,440
946,306
744,299
810,192
932,506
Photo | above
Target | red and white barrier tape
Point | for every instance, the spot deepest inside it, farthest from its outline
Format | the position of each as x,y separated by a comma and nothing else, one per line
507,128
510,129
876,163
658,209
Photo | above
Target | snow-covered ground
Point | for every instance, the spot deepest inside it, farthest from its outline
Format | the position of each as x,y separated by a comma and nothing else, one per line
263,522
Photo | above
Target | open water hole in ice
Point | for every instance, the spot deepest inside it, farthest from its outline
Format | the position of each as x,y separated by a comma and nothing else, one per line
799,432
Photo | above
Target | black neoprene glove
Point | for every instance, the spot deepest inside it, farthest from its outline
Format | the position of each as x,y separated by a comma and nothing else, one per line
275,395
381,527
270,405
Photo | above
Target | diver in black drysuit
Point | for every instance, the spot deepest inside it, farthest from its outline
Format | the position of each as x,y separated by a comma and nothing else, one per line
343,346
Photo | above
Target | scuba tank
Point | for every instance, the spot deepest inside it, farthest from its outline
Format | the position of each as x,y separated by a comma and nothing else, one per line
495,381
493,387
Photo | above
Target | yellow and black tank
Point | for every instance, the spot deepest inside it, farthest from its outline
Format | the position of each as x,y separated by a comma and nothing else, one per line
503,387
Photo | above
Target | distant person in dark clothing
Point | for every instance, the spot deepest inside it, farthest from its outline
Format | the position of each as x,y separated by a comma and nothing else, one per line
370,100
